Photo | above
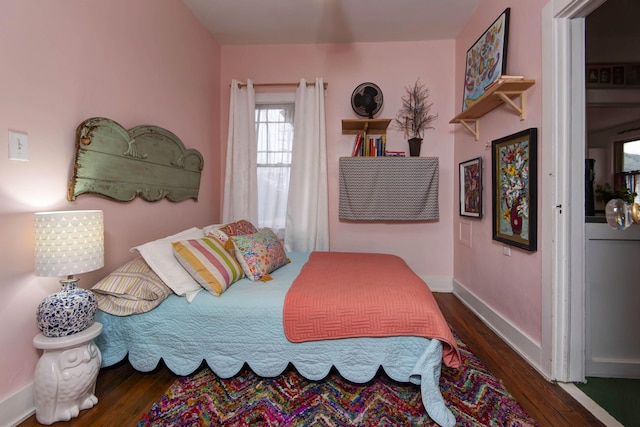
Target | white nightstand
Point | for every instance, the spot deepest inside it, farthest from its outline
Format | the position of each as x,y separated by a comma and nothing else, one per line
65,378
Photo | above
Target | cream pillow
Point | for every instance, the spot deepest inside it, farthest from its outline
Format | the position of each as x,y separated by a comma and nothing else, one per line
159,255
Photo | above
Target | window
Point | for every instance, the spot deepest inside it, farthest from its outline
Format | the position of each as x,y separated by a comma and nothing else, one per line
631,156
274,134
627,165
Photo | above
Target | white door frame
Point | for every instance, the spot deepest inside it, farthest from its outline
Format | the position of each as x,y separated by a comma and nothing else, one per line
563,123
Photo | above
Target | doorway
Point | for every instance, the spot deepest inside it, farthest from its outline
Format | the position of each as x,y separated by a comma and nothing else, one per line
563,181
612,116
564,125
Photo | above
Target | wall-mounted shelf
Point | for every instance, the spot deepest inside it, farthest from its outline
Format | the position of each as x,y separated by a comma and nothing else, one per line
504,91
356,126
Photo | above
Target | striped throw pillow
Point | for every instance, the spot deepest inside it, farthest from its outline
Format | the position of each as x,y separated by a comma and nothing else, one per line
131,289
208,263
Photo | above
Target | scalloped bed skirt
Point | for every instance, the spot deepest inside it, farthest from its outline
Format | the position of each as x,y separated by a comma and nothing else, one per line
244,325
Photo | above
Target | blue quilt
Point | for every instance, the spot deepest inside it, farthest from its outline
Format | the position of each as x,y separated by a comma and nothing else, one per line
244,325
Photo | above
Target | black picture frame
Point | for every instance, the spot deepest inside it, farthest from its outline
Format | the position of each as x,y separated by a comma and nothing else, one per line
514,164
471,188
605,76
617,75
593,75
486,60
613,75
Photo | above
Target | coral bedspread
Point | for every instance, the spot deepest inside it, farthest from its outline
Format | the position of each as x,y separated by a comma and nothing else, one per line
345,295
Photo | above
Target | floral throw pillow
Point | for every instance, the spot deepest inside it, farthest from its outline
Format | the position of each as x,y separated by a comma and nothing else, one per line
238,228
259,254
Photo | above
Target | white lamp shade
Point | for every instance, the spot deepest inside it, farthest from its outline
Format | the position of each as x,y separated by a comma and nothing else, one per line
68,242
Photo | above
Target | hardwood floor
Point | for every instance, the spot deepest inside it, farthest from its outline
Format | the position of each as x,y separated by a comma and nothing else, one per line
126,394
546,402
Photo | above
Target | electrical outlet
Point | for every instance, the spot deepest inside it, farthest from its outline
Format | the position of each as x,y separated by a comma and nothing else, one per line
18,145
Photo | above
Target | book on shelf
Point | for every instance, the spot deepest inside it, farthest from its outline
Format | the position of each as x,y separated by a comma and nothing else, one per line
357,145
376,146
369,146
373,152
395,154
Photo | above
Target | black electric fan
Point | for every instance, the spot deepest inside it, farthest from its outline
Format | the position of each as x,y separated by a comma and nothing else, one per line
366,100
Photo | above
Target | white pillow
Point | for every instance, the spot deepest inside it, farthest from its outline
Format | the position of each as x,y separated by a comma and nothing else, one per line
159,255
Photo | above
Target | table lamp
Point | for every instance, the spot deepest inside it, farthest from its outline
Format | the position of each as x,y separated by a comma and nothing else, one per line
68,243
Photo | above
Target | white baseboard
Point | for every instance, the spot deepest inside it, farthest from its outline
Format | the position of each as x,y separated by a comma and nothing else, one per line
17,407
439,284
515,338
599,412
610,367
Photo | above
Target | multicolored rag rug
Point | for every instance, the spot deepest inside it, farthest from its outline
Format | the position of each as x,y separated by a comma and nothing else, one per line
473,394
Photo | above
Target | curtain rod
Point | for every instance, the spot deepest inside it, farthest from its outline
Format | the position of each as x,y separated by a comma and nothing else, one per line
325,84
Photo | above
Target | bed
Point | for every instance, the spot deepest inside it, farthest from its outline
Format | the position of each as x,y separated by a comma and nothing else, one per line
227,321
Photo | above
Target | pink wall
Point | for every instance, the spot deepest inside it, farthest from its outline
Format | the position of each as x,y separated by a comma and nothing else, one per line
142,62
511,286
151,62
427,247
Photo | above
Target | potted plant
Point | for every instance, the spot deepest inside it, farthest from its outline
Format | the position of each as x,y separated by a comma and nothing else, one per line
604,193
415,116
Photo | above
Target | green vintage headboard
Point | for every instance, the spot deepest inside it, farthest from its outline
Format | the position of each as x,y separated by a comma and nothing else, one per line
146,161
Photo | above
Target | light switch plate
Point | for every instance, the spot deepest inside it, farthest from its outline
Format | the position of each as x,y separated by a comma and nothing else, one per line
18,145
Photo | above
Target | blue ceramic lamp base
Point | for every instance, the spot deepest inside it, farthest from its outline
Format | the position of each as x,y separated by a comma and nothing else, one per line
66,312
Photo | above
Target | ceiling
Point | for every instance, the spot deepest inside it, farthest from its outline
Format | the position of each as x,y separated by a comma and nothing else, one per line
240,22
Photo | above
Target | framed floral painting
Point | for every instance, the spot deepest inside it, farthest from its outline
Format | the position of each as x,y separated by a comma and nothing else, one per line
514,189
486,60
471,188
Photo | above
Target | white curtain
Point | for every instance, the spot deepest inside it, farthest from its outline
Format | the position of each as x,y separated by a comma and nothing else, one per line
307,224
241,177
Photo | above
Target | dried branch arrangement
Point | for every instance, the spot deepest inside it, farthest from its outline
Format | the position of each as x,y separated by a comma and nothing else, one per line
414,115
